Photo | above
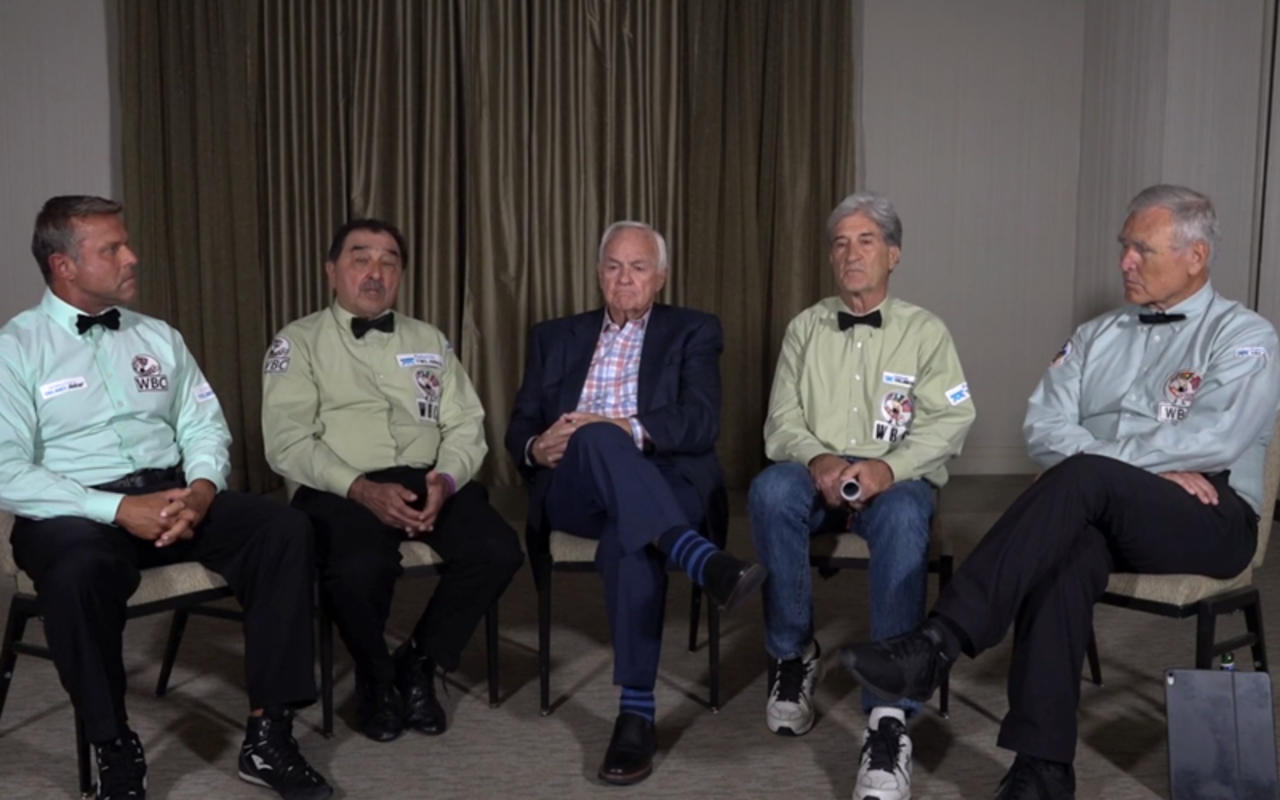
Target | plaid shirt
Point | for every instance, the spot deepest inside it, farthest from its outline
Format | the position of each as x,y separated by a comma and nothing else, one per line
611,386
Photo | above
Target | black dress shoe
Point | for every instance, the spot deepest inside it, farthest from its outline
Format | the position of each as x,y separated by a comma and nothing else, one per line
1036,779
730,580
415,678
379,711
912,665
629,758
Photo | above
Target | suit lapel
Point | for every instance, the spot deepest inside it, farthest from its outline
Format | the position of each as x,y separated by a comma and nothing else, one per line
656,338
583,337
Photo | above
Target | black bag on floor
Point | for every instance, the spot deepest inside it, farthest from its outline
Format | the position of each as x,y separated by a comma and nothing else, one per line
1222,738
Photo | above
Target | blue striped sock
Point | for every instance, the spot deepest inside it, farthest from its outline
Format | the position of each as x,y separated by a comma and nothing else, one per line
637,701
691,552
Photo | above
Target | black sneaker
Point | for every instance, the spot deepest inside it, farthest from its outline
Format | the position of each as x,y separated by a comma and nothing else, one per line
1036,779
122,768
912,665
415,677
379,710
270,758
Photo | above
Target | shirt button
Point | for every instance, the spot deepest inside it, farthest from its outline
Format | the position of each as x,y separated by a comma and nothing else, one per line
1157,338
853,441
857,377
859,345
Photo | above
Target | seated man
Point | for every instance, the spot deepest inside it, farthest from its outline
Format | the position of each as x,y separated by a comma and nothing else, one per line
113,458
372,415
615,427
868,389
1152,423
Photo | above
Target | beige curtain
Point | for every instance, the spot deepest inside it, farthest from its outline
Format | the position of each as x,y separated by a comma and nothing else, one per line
502,136
191,195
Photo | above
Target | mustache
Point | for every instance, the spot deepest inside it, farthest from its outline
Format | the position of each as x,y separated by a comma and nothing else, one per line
372,286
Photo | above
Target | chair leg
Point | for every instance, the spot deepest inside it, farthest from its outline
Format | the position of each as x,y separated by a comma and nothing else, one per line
491,651
1205,623
713,651
324,632
695,616
1252,623
543,566
1095,666
176,627
19,613
87,789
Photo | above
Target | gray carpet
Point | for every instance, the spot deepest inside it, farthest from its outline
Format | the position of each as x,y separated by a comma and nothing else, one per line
193,734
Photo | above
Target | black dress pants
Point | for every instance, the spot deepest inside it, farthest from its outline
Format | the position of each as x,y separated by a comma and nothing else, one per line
359,561
85,571
1046,562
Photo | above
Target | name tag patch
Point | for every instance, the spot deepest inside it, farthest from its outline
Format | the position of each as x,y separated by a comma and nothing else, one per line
898,379
419,360
1251,352
958,394
428,384
62,387
203,393
277,359
148,374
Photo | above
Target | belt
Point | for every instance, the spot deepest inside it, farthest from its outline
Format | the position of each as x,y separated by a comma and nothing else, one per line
143,478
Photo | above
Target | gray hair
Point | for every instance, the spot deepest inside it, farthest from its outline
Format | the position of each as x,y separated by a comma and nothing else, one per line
1193,215
658,240
54,231
875,206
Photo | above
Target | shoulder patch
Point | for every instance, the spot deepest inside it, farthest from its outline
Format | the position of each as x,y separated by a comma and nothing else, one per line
958,394
203,392
1062,355
1251,352
277,359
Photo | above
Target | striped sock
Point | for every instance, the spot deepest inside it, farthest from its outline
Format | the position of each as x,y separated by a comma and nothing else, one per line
637,701
691,551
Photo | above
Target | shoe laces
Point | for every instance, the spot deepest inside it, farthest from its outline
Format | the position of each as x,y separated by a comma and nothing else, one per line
277,746
883,745
121,767
789,681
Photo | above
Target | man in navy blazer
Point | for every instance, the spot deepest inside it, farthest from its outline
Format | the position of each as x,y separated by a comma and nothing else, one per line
615,427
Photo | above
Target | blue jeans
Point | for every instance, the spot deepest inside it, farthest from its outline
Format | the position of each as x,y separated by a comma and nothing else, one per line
786,509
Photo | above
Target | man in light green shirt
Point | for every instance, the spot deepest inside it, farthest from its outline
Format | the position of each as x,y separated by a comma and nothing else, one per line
868,404
370,413
113,457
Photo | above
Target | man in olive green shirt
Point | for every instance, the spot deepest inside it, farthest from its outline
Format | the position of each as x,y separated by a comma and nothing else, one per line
372,415
868,404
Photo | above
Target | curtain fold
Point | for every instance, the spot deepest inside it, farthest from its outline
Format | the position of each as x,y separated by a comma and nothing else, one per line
501,136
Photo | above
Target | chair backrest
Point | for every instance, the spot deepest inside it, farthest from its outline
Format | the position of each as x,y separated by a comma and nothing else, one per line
1270,482
8,568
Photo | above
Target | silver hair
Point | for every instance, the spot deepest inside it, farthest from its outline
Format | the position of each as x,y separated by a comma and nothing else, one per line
663,263
1193,215
876,206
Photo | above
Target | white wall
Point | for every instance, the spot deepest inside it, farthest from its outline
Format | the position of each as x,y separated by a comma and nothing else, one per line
56,132
1011,136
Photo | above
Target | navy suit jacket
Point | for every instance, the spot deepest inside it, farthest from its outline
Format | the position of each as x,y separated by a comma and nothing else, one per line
677,397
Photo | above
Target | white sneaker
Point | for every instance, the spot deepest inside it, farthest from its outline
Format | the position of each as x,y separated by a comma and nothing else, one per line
884,772
789,711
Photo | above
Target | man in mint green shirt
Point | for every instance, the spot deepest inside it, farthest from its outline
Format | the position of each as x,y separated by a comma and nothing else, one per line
113,457
370,413
868,392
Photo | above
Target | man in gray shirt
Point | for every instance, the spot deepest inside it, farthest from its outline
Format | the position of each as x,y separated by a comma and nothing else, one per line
1152,423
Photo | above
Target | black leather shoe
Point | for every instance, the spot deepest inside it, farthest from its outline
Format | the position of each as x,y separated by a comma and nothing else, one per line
912,665
379,710
629,758
730,580
415,677
1036,779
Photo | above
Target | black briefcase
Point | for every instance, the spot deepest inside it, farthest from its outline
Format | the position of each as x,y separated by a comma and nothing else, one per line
1222,736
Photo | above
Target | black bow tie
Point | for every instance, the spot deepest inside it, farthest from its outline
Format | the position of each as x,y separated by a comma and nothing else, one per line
385,323
1160,318
108,319
847,320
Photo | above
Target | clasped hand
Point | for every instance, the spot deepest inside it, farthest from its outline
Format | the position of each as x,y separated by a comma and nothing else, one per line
166,516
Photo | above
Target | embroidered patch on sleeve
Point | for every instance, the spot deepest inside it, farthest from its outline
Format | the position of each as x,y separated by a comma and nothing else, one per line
277,359
203,393
1062,355
1251,352
958,394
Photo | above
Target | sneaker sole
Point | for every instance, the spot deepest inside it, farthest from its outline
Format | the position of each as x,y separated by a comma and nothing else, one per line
316,793
749,582
850,662
786,730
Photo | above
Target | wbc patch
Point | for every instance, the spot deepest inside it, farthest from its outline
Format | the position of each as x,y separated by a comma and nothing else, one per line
428,384
419,360
1181,389
277,359
148,375
1062,355
897,408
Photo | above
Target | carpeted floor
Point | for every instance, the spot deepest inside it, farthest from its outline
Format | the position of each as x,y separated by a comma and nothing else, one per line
192,735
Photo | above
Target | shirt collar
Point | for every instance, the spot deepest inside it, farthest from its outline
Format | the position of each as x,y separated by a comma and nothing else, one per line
1193,306
641,322
344,317
63,313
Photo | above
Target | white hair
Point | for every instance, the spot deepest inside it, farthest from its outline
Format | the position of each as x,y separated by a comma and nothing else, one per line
658,240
